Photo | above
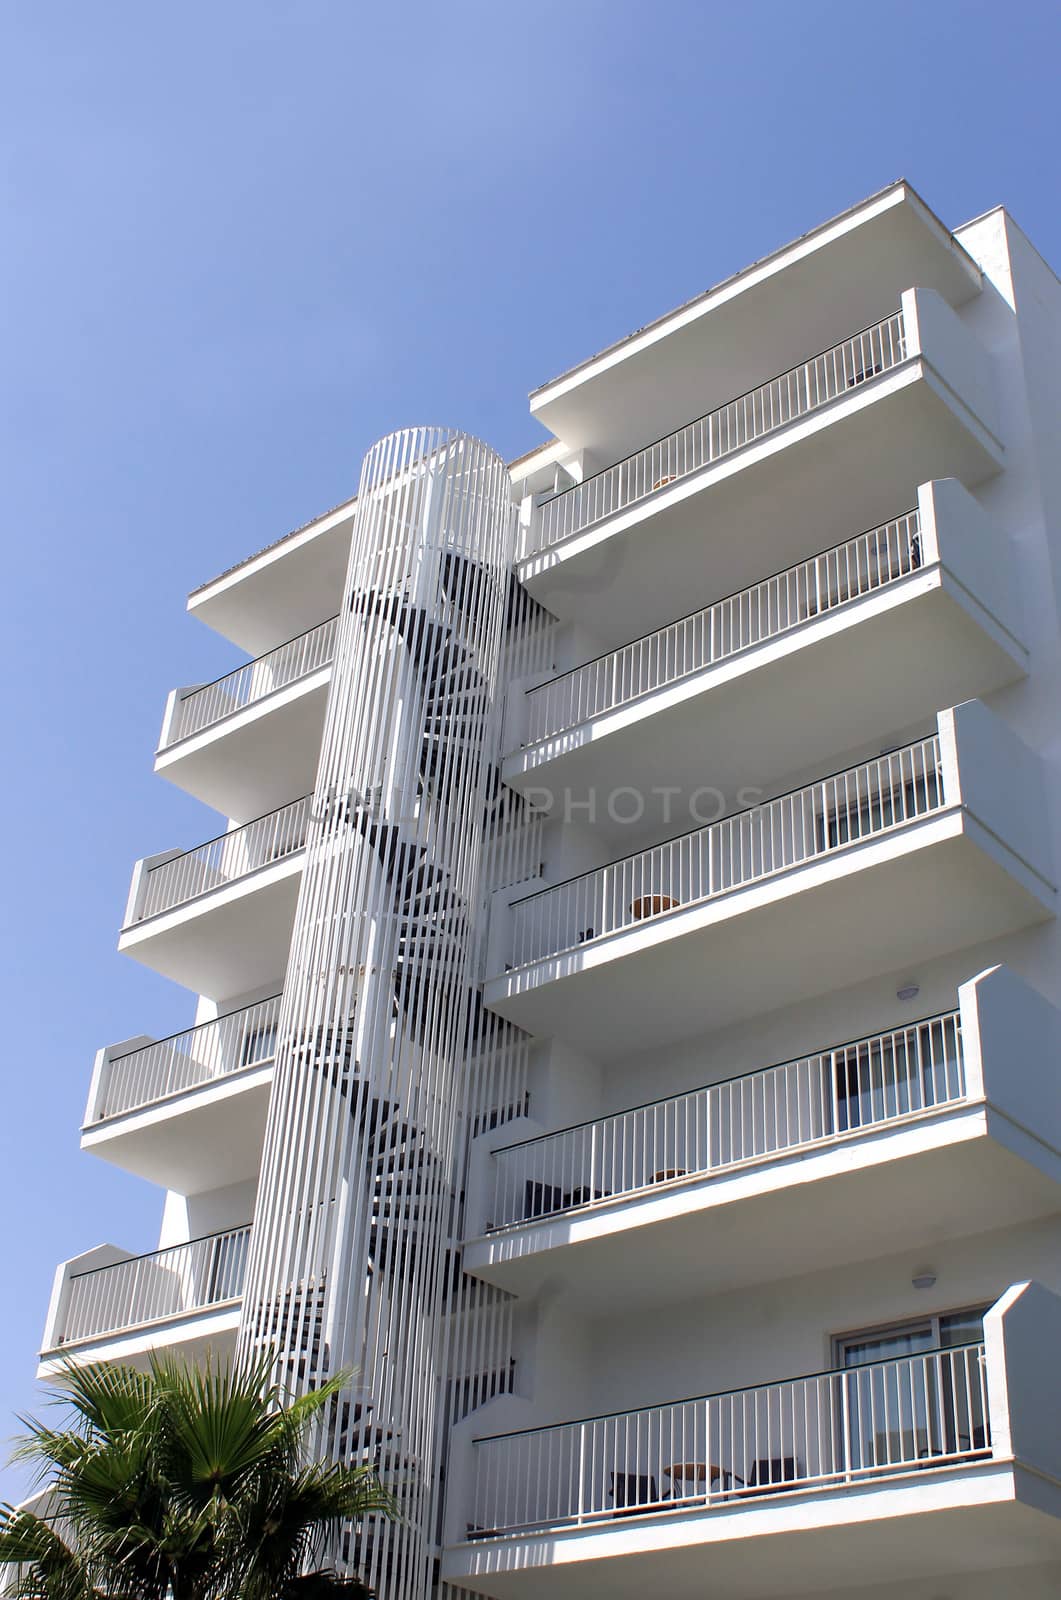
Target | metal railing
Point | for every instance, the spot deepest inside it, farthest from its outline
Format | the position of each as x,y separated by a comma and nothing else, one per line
731,426
887,1417
151,1288
188,1060
760,612
796,828
817,1099
233,855
210,703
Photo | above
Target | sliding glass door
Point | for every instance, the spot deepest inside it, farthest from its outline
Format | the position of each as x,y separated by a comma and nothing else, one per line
914,1393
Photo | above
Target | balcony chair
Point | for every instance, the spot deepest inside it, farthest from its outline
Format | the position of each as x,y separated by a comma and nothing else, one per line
774,1474
631,1493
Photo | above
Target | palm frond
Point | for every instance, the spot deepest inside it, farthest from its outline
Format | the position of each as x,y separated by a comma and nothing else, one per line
217,1427
45,1565
105,1397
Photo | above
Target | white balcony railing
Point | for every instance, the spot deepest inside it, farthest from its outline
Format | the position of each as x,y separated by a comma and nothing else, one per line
188,1060
739,422
806,825
233,855
815,1100
201,708
152,1288
889,1417
763,611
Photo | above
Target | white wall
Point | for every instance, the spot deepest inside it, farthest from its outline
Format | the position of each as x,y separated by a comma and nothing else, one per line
1022,1335
976,554
649,1354
193,1216
953,352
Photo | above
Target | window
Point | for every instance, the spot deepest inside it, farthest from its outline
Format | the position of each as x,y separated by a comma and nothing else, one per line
259,1045
227,1262
907,1338
860,816
907,1071
914,1394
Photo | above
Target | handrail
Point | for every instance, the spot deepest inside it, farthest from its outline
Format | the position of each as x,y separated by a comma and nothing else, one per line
764,610
769,1111
718,433
211,702
153,1287
715,1394
748,846
848,1424
235,1042
222,860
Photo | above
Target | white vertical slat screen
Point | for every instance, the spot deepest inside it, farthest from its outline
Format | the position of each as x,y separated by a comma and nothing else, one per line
352,1264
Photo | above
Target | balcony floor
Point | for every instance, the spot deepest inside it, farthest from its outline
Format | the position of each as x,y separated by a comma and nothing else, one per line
958,1171
934,886
932,1536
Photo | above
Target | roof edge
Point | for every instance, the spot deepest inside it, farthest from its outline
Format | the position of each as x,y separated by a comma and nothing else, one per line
898,187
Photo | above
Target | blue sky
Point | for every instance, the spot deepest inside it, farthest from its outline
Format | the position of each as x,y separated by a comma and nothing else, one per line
242,241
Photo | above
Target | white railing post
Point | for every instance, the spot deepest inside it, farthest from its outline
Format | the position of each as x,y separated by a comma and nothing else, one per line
791,1105
766,610
894,1416
865,801
727,428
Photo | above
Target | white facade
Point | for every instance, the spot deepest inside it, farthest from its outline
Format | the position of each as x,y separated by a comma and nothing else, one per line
628,972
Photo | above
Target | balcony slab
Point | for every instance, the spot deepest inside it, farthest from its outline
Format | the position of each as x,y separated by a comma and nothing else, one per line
928,1535
196,1140
906,1184
191,1336
230,941
887,660
937,885
806,295
250,762
775,502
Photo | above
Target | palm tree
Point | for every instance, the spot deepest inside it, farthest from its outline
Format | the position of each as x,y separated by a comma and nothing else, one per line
189,1482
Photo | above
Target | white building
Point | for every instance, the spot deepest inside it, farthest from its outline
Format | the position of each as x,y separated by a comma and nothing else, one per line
628,975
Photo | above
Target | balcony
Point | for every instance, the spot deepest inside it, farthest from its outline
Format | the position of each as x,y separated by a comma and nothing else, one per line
771,476
218,918
188,1112
121,1307
877,632
885,1143
919,1469
927,849
244,742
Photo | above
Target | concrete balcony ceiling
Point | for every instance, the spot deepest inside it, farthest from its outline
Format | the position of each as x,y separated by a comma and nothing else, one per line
802,297
284,589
